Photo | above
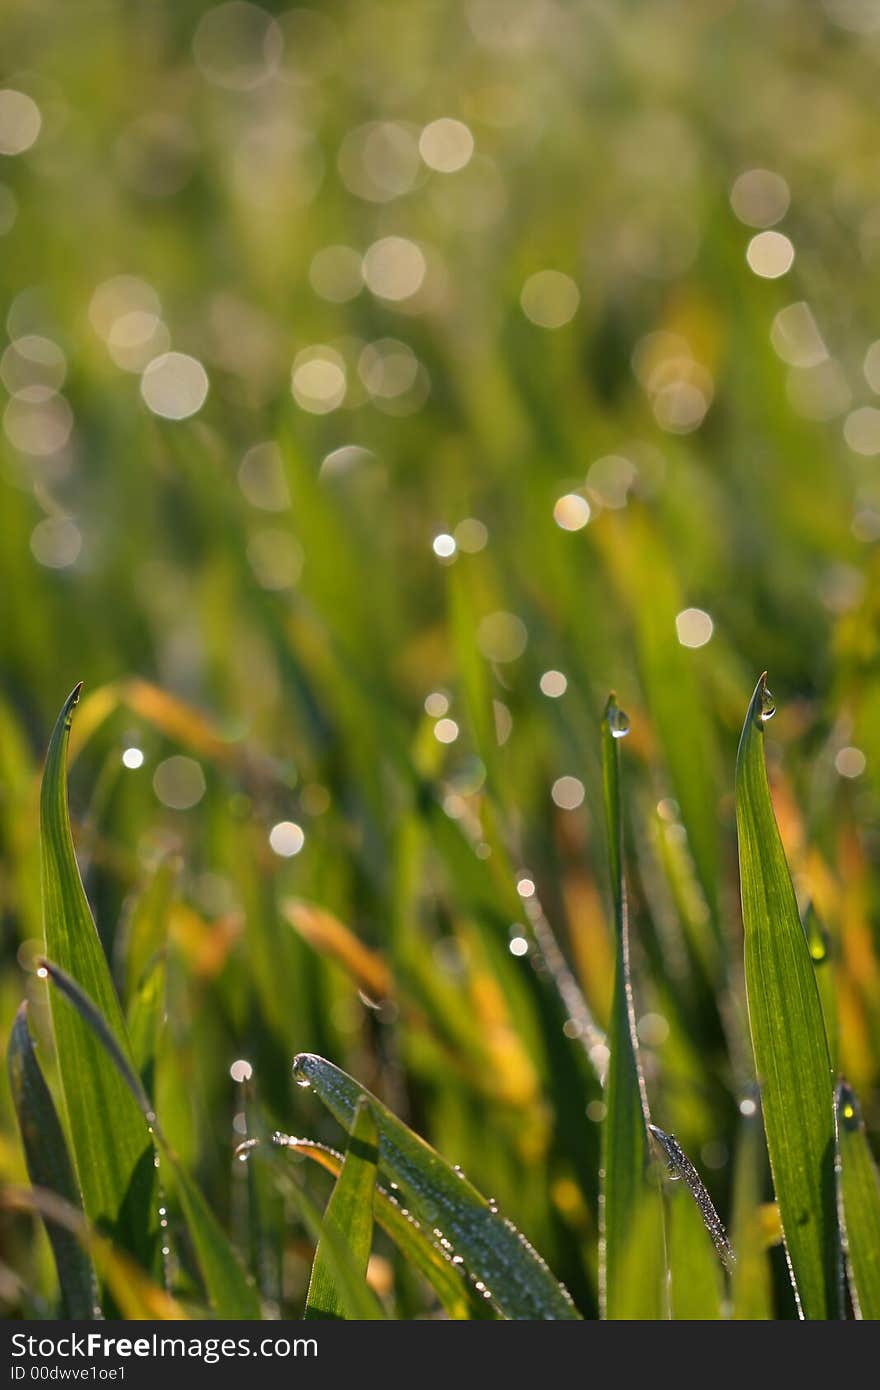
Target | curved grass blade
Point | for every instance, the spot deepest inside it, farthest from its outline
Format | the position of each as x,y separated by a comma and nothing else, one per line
230,1292
49,1166
350,1214
507,1269
457,1295
788,1033
111,1151
859,1199
631,1200
133,1292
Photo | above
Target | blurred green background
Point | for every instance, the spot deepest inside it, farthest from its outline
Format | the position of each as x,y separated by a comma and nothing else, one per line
382,383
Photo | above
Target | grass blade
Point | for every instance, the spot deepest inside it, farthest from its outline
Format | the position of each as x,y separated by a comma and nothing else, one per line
679,1166
49,1166
111,1150
507,1269
456,1293
230,1292
859,1199
696,1281
788,1033
350,1214
631,1201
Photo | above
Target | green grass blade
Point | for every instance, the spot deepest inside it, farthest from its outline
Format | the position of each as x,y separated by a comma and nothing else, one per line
456,1293
357,1296
631,1200
859,1197
350,1214
110,1148
511,1273
788,1033
49,1166
230,1292
696,1280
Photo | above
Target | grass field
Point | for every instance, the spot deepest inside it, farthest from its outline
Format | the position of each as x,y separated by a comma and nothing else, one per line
383,384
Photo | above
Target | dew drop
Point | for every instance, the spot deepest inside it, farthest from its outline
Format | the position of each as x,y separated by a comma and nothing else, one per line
304,1083
618,720
768,705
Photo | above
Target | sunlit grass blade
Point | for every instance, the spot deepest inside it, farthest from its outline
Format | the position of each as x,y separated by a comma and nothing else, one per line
509,1271
859,1199
49,1167
133,1292
230,1292
332,938
630,1196
454,1290
696,1279
350,1214
788,1033
111,1149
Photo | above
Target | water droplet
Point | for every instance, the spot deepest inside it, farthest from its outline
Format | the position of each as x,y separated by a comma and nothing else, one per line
672,1172
768,705
304,1083
618,720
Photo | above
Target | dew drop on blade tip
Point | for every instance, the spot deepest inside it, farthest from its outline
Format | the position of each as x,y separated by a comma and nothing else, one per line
618,721
768,705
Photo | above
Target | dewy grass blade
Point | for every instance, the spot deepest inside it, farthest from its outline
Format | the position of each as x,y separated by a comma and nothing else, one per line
350,1214
111,1149
230,1292
859,1201
507,1270
680,1166
49,1167
630,1197
788,1033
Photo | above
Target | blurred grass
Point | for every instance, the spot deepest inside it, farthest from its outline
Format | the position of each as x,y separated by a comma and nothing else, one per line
281,627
